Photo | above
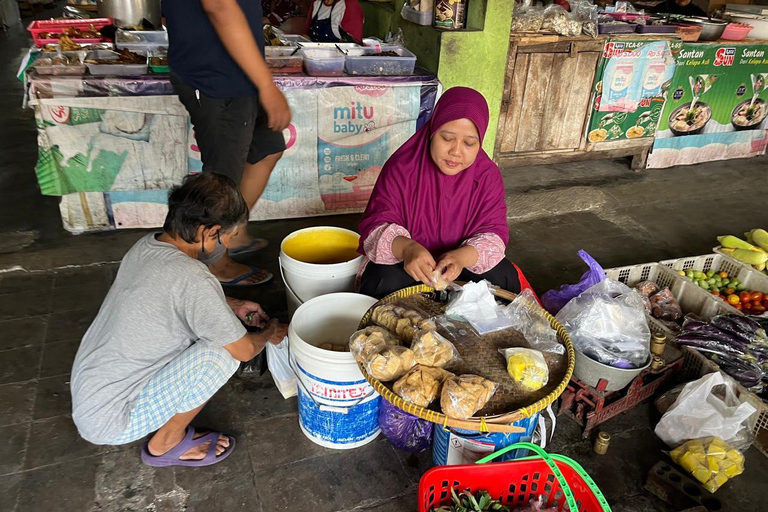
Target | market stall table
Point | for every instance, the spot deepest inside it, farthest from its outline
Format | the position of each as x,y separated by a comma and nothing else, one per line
111,147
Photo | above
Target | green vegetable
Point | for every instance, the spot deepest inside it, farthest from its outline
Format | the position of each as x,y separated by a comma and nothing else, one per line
711,273
466,502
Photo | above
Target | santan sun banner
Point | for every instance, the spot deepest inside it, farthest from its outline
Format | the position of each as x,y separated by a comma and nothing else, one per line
716,105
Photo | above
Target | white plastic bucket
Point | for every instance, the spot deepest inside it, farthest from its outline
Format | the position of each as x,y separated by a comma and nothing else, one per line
338,408
316,261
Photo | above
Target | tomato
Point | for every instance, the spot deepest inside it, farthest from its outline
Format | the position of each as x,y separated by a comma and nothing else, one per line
765,303
730,291
733,299
724,275
715,293
739,307
758,309
744,296
756,296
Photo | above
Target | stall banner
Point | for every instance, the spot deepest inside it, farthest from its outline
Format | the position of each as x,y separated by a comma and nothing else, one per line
101,144
716,105
628,97
358,128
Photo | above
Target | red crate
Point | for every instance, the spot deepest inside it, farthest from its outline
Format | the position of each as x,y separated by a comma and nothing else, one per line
36,28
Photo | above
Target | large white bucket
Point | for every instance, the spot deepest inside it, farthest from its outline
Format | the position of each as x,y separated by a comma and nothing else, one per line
316,261
337,407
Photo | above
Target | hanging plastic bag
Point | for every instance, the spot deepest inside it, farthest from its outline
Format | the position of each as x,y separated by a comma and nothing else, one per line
405,431
278,362
528,319
554,300
607,323
708,407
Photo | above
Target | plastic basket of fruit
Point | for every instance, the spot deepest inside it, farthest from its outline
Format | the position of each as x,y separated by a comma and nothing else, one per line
555,481
738,286
78,31
691,298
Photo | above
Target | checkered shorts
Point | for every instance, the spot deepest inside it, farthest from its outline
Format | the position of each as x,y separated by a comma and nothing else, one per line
182,385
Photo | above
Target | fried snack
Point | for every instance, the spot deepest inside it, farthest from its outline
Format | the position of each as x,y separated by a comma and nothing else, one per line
367,342
463,396
431,349
390,364
421,385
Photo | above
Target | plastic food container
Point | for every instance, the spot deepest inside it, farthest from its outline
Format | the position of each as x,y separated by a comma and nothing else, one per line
116,69
281,59
56,27
758,23
155,66
736,32
688,33
44,66
627,16
323,62
292,39
365,61
330,46
142,41
656,29
418,17
626,28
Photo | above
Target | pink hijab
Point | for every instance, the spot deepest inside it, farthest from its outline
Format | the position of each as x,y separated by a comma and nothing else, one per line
440,211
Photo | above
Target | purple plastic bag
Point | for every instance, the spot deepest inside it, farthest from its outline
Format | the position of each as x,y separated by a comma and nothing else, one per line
554,300
405,431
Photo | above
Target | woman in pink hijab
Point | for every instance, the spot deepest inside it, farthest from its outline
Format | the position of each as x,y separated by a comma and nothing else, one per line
439,206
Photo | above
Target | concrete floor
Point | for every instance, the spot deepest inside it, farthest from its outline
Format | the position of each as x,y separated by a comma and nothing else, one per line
47,303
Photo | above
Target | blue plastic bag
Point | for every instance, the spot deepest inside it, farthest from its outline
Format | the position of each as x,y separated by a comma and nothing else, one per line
554,300
405,431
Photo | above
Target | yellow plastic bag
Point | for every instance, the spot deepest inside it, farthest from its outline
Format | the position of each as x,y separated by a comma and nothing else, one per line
709,460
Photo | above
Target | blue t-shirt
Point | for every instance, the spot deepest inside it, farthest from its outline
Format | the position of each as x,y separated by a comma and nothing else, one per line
197,55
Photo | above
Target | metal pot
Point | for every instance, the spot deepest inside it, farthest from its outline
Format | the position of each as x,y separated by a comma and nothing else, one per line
711,30
130,13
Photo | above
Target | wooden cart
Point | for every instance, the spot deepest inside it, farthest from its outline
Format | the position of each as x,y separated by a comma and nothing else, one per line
546,103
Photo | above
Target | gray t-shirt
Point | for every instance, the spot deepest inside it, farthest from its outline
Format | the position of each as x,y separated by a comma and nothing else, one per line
161,302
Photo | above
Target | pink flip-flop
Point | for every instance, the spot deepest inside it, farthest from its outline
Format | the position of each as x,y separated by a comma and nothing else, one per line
172,457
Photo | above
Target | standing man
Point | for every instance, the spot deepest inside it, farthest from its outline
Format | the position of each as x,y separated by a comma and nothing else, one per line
238,113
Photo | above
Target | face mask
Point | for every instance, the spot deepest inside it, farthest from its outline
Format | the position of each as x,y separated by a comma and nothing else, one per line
219,250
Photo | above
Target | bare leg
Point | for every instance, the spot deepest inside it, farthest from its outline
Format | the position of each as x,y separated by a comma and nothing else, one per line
252,185
171,434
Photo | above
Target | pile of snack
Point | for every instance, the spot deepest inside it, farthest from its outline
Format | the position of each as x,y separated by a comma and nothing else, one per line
405,348
710,460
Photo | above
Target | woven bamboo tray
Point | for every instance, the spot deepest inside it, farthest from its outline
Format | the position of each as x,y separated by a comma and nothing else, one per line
480,356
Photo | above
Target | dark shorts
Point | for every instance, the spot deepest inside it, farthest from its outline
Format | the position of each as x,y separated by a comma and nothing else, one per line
229,132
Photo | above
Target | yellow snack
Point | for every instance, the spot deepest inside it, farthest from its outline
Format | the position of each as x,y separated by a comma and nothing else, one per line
526,367
711,461
687,462
369,341
390,364
716,451
701,474
421,385
734,455
712,464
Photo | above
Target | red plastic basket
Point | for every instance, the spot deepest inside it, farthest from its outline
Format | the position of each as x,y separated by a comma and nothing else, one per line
516,483
36,28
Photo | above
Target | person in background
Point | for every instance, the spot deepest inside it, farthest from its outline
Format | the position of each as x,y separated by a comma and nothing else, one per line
218,71
439,207
287,15
166,338
684,7
335,21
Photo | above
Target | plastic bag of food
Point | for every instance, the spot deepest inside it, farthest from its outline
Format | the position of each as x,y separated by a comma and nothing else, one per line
708,407
554,300
439,283
526,367
477,305
390,364
464,395
527,18
403,322
559,21
646,289
710,460
421,385
528,319
405,431
664,306
431,349
586,12
607,323
369,341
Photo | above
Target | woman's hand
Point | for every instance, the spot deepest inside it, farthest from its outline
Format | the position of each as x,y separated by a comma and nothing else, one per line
249,312
418,262
452,263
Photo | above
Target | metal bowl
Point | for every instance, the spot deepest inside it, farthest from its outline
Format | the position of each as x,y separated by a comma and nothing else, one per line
711,30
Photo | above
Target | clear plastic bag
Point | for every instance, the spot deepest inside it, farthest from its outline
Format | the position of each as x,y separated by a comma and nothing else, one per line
464,395
421,385
586,12
404,431
390,364
710,460
559,21
708,407
477,305
431,349
369,341
278,362
527,18
528,318
403,322
607,323
664,306
526,367
554,300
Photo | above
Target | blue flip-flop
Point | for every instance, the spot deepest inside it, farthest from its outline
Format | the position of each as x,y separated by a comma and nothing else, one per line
173,457
254,270
256,244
